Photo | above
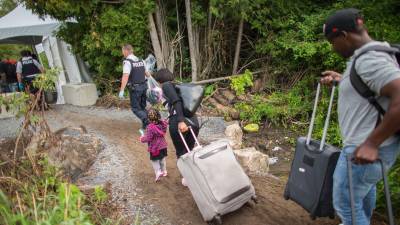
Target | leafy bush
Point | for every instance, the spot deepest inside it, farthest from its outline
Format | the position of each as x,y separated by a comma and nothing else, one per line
43,198
101,31
239,83
292,109
209,89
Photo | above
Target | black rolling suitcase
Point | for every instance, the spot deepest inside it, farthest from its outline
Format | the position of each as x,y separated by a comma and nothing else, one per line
386,188
311,177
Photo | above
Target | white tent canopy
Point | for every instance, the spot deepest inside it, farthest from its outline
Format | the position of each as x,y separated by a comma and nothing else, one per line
21,26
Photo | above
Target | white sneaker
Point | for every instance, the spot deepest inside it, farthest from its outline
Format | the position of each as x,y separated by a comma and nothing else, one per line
184,182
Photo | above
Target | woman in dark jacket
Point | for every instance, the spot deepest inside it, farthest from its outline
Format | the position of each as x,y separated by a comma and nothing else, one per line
177,120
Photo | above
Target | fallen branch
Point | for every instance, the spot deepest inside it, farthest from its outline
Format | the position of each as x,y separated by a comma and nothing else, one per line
215,79
224,109
26,121
11,179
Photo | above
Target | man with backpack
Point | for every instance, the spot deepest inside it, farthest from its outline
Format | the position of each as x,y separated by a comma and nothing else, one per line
368,108
134,76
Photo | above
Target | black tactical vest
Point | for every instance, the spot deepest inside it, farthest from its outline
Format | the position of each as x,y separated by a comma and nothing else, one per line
28,67
137,74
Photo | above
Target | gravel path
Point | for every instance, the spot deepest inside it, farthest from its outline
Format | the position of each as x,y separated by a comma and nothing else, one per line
116,164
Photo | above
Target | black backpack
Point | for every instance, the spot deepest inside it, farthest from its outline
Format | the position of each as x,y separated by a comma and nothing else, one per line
359,84
191,95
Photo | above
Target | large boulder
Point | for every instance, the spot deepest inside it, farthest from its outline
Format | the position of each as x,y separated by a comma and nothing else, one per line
75,151
212,129
82,94
235,135
253,160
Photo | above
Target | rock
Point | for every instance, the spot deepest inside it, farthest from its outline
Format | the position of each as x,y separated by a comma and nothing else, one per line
252,128
75,151
212,129
235,135
253,160
277,148
72,131
273,160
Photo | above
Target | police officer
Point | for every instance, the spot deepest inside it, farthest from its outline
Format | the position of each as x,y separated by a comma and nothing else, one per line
134,76
27,70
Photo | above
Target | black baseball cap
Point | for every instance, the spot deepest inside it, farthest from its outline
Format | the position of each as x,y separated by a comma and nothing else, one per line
343,20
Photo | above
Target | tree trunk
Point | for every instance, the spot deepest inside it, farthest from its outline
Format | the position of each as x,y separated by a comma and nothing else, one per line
160,24
156,42
192,49
237,50
180,40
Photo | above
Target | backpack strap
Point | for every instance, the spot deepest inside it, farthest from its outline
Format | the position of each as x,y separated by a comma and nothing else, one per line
360,86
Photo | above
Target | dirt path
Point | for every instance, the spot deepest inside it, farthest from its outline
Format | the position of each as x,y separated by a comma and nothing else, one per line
125,164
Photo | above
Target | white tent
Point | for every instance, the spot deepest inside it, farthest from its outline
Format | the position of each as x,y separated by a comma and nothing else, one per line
21,26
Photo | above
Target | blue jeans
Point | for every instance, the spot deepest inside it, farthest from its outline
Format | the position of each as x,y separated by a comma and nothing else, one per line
365,178
137,94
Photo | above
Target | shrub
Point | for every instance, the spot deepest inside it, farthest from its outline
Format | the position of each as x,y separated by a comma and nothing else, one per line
241,82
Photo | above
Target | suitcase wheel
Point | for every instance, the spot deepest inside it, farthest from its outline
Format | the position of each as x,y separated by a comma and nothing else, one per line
286,197
216,221
255,199
286,193
251,204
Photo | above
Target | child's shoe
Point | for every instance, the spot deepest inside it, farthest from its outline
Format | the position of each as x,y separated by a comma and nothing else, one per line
159,174
184,182
164,173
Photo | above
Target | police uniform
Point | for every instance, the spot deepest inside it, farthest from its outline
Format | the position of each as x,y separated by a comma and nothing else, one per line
29,68
137,85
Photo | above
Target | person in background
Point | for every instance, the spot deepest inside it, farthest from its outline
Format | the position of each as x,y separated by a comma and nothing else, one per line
364,137
27,70
157,145
9,68
177,120
134,76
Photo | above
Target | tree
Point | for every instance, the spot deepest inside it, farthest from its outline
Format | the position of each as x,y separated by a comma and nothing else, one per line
102,28
6,6
164,46
9,51
192,47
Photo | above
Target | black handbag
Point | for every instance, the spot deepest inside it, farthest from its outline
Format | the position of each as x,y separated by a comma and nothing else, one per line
191,95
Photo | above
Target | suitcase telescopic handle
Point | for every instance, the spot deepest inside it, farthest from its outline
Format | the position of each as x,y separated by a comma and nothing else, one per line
386,188
194,137
326,125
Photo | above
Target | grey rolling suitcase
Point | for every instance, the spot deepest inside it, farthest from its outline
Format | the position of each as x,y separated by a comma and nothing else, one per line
216,180
311,177
386,188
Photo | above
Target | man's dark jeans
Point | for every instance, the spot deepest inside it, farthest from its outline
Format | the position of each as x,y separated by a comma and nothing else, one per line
137,94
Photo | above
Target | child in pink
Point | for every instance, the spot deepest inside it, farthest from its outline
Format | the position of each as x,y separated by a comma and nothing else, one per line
157,145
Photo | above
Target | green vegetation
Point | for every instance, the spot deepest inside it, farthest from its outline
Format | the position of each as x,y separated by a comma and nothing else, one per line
239,83
31,190
42,197
209,89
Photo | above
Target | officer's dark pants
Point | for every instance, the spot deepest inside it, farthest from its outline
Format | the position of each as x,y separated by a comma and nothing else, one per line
137,94
28,83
